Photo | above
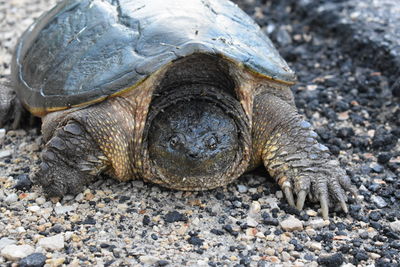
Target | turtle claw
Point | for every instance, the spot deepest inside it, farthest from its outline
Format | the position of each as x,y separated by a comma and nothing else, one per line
324,208
289,195
301,197
344,206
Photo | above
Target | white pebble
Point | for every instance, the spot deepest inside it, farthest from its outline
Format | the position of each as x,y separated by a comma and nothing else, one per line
63,209
5,153
147,259
2,133
40,200
255,207
315,246
21,229
34,208
285,256
11,198
317,223
395,226
52,243
6,242
279,194
379,201
291,224
242,188
251,222
14,252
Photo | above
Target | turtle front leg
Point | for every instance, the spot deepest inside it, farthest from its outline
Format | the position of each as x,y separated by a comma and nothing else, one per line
11,110
71,160
290,152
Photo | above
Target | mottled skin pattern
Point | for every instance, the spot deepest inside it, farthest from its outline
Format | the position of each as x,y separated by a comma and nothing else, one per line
108,138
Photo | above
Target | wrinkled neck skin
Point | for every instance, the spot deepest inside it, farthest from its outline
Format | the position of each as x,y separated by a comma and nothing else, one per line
196,137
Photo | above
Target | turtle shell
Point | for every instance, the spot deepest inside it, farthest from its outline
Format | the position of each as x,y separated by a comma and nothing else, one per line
83,51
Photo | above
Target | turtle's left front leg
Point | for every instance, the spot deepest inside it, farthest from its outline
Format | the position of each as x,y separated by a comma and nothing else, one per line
293,157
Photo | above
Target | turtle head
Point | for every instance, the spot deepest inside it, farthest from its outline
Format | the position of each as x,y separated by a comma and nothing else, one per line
192,140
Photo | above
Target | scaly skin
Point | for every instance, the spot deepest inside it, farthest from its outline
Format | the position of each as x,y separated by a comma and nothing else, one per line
287,146
106,137
70,160
10,107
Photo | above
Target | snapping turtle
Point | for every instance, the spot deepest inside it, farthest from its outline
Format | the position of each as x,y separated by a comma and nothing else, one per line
186,94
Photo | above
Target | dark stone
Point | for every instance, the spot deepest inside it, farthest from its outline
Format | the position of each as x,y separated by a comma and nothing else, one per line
331,261
396,88
93,249
345,132
376,225
23,182
123,199
361,256
384,158
216,232
230,230
377,168
289,209
364,235
270,221
89,220
146,220
194,240
175,216
33,260
219,196
57,229
383,140
162,263
375,215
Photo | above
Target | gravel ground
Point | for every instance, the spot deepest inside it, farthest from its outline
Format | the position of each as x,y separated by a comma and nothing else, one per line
247,223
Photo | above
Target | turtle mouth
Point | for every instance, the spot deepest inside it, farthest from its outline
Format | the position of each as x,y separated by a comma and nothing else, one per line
196,138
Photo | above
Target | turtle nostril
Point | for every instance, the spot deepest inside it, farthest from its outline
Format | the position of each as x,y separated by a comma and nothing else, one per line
193,154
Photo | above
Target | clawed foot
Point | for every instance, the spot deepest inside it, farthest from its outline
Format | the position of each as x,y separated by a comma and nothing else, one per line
324,181
70,161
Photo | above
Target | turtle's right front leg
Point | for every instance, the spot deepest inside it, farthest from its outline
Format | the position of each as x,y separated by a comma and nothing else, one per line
71,160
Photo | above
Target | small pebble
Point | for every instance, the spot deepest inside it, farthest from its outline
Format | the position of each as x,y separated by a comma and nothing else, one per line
52,243
147,259
318,223
242,188
315,246
14,252
255,207
5,153
2,133
59,209
291,224
395,226
6,242
333,260
175,216
40,200
11,198
379,201
251,222
55,262
33,260
34,208
23,182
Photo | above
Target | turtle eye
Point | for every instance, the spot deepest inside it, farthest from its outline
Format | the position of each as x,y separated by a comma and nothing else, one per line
212,142
173,141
